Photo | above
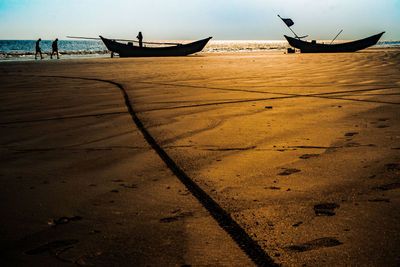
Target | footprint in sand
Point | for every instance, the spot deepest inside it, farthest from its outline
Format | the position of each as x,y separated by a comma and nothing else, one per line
315,244
392,167
64,220
272,188
379,200
325,209
128,186
51,246
351,134
386,187
288,171
176,217
307,156
297,224
353,144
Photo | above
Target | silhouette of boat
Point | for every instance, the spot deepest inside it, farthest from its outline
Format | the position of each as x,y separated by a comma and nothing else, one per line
129,50
314,47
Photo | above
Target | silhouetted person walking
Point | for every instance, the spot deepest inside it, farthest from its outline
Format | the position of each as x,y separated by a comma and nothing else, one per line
38,49
54,47
140,37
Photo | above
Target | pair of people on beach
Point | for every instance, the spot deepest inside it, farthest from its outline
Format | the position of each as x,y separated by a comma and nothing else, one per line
54,47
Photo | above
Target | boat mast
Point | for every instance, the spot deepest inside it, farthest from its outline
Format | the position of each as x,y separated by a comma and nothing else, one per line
123,40
336,36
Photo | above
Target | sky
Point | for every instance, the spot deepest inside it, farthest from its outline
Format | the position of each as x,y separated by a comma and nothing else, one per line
197,19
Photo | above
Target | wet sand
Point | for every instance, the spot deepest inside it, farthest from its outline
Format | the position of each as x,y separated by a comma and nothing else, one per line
268,157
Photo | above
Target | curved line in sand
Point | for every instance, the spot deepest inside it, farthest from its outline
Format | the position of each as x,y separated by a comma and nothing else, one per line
223,218
326,95
64,118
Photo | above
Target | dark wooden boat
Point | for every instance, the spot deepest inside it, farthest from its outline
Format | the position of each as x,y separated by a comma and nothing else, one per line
129,50
313,47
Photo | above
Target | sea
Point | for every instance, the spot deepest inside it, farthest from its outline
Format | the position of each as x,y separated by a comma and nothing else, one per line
11,50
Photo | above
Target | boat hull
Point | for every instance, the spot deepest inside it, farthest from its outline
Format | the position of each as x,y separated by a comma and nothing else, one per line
126,50
309,47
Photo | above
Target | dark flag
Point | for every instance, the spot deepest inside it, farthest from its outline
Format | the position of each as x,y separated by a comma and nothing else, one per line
288,22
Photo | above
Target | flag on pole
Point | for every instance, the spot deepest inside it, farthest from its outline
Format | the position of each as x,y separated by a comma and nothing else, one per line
288,22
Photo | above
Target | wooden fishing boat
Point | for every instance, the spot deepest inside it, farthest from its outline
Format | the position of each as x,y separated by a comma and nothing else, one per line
314,47
129,50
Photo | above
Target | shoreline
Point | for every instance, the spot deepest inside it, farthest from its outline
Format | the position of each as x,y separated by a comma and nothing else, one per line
28,56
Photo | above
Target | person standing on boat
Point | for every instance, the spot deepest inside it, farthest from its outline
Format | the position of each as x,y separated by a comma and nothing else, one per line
54,47
140,37
38,49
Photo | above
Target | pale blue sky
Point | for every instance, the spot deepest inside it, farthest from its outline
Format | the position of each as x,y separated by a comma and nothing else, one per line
195,19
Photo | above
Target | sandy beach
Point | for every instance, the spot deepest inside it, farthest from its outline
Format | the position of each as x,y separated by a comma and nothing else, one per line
230,159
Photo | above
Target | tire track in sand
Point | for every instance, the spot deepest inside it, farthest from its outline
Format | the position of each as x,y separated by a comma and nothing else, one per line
223,218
